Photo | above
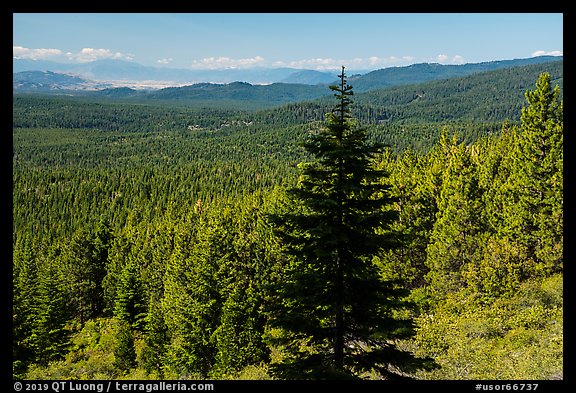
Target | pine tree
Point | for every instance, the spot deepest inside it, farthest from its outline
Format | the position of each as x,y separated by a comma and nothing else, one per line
156,339
239,338
242,276
335,315
192,302
501,266
25,291
49,334
129,304
454,237
124,351
536,216
417,209
85,271
495,171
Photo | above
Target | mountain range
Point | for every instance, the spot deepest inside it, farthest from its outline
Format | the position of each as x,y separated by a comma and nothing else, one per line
299,85
120,70
128,71
44,81
485,97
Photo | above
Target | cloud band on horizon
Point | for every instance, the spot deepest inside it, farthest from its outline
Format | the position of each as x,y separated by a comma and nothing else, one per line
86,55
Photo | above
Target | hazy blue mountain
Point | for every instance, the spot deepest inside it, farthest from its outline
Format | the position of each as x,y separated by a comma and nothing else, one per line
265,95
20,65
47,81
120,70
104,70
470,97
243,95
278,93
250,75
310,77
129,71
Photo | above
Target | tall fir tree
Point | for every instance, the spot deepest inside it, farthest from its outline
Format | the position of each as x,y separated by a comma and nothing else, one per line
191,303
156,339
242,276
454,237
417,210
49,334
124,350
536,216
25,295
333,315
129,305
85,267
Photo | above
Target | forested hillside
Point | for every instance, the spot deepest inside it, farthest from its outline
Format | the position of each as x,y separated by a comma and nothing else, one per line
467,104
426,72
145,243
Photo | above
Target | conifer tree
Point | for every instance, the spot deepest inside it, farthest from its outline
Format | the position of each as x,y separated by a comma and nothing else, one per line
85,271
536,216
417,209
191,302
242,274
495,171
454,237
129,304
49,335
124,352
334,313
238,339
156,339
25,291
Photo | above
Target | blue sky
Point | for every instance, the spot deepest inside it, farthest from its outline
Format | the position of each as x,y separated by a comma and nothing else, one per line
321,41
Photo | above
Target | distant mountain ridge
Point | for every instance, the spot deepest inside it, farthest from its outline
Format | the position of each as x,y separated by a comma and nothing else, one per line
241,90
425,72
243,95
486,97
47,81
119,70
310,77
493,95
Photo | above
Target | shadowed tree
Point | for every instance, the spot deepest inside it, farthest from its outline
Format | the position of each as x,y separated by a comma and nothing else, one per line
332,315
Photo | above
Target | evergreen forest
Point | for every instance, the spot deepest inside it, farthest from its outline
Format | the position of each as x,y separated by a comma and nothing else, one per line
410,232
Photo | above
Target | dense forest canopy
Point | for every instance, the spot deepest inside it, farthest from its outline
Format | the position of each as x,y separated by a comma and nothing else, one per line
144,244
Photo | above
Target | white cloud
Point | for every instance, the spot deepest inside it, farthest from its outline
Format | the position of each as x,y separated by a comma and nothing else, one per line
316,63
84,56
358,63
164,61
550,53
458,60
441,58
213,63
373,60
19,52
90,54
446,59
